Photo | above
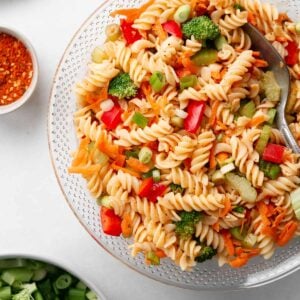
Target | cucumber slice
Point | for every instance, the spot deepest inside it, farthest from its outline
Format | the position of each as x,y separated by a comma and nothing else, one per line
270,86
220,41
248,109
249,241
271,114
237,233
243,186
205,57
263,139
295,199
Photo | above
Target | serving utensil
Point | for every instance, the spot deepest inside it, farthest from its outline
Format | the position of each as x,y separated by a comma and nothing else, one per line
281,72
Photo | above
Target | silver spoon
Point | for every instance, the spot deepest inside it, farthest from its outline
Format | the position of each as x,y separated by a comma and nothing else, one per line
278,66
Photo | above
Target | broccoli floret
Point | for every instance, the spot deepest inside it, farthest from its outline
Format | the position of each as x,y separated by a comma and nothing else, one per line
185,228
25,293
206,252
122,86
202,28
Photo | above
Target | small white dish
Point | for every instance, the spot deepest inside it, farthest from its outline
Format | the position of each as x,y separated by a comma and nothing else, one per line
19,102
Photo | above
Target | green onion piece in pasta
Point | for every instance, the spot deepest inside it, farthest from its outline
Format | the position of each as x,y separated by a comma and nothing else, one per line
270,170
139,120
13,263
80,285
104,201
249,241
132,153
263,139
76,294
153,258
63,281
239,209
238,233
220,41
247,109
187,81
157,81
5,293
149,173
145,155
182,13
205,57
37,296
98,55
177,122
39,274
298,27
176,188
156,175
271,114
112,32
218,177
90,295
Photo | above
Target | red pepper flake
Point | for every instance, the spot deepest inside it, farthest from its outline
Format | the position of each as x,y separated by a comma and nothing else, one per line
16,69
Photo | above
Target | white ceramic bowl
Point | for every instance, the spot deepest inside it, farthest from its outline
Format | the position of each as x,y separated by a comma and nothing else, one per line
19,102
56,263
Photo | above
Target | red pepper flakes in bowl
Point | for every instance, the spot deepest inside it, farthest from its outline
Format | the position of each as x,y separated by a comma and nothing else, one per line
16,69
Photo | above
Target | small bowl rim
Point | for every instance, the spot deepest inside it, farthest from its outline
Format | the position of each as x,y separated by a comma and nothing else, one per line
57,263
28,93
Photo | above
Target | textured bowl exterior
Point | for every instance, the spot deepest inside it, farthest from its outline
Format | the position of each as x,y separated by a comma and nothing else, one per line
62,141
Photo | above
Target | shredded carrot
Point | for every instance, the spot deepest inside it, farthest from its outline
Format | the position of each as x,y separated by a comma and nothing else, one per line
216,76
160,253
212,158
278,219
187,62
136,165
287,233
146,88
238,262
222,125
256,53
256,121
228,243
281,39
223,72
132,13
82,154
107,148
271,232
193,5
261,63
85,170
125,170
227,207
251,18
222,156
263,211
120,160
101,95
216,226
213,116
158,29
126,225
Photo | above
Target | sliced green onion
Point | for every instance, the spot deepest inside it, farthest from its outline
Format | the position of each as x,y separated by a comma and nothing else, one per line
139,119
270,170
263,139
13,263
153,258
104,201
157,81
205,57
249,241
76,294
188,81
17,274
227,168
239,209
145,155
238,233
298,27
220,41
182,13
177,122
37,296
132,153
5,293
176,188
98,55
149,173
112,32
80,285
243,186
90,295
218,177
39,274
248,109
156,175
271,114
63,281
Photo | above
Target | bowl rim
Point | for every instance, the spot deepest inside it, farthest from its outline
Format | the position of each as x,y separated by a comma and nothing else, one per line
125,262
57,263
28,93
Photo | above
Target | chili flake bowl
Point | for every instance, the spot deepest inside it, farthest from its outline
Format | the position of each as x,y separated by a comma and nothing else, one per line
27,94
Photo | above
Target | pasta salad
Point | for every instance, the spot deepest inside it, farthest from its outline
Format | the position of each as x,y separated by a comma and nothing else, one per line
177,134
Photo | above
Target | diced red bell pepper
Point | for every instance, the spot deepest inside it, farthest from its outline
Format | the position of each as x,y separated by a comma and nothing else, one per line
112,118
195,112
151,190
292,57
111,223
130,34
274,153
173,28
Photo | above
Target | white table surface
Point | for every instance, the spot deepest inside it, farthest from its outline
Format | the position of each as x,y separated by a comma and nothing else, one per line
34,217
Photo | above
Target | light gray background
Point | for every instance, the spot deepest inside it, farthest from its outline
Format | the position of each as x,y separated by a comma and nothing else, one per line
34,217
